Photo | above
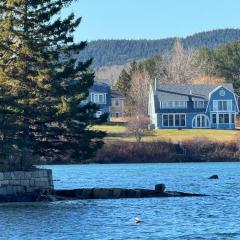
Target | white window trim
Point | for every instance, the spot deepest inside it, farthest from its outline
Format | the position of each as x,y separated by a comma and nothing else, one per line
230,118
174,126
211,118
95,95
116,100
227,100
195,104
173,105
216,89
206,118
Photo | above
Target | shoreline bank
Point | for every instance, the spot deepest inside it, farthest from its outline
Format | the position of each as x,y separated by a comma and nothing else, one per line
199,150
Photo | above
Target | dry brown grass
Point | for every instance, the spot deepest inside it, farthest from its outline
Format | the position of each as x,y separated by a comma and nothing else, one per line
117,132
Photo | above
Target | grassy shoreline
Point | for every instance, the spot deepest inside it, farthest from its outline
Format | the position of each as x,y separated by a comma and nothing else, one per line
168,146
119,133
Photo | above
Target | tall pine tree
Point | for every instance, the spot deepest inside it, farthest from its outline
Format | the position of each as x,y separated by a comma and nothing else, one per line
42,84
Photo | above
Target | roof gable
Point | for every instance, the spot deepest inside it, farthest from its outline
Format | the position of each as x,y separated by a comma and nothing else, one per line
100,87
116,94
183,92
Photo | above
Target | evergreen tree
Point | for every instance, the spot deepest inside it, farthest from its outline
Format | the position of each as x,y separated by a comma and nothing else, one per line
123,82
227,62
120,52
151,66
134,67
42,85
223,62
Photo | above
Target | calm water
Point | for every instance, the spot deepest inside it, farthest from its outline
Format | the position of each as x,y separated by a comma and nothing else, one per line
214,217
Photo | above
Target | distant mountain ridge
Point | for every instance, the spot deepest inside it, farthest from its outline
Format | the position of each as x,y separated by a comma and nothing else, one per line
120,52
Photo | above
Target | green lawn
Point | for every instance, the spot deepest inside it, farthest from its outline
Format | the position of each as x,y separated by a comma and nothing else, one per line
116,132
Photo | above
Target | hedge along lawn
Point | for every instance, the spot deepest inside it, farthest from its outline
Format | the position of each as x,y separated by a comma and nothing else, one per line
119,133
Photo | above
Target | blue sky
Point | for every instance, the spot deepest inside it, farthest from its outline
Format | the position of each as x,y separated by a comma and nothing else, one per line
152,19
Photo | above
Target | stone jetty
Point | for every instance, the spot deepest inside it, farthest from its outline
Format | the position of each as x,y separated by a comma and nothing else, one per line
94,193
115,193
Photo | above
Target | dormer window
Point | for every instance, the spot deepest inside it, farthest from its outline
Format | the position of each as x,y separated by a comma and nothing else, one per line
198,104
174,104
98,98
222,105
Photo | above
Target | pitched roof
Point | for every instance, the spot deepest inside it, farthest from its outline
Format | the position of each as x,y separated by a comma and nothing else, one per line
116,94
100,87
182,92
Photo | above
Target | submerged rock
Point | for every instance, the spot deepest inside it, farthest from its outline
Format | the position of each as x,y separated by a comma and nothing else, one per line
214,177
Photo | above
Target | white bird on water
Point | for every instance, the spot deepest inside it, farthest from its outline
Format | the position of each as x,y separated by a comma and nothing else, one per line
137,220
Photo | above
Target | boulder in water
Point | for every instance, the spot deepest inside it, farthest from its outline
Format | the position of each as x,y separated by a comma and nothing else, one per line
214,177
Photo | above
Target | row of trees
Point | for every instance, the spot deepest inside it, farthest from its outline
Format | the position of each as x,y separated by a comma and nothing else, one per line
182,65
225,62
134,84
41,86
120,52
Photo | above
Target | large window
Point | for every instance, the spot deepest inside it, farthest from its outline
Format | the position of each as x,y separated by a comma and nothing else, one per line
200,121
198,104
174,104
223,118
116,103
222,105
166,120
174,120
214,118
98,98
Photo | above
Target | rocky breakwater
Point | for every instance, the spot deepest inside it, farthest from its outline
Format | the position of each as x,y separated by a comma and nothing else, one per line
37,186
115,193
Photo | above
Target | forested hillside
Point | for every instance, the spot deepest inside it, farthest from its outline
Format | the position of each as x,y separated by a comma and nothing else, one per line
119,52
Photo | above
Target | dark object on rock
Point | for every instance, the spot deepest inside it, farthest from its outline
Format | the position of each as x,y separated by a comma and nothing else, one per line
160,187
214,177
